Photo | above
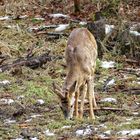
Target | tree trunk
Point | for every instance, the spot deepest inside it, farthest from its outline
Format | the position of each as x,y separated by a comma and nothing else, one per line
77,6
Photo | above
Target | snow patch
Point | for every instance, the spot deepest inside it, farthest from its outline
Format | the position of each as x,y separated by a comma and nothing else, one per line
108,28
136,33
40,101
7,101
5,82
36,115
66,126
35,138
111,82
82,23
58,15
23,16
28,120
111,100
4,17
39,18
48,133
105,64
135,113
61,27
129,132
135,82
84,132
108,132
9,121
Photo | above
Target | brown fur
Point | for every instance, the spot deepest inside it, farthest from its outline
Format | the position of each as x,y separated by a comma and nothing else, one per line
80,55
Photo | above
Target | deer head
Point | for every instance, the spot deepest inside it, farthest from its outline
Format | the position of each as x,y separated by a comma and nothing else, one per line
67,99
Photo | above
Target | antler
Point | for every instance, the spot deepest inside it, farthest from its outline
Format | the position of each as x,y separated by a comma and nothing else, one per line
58,90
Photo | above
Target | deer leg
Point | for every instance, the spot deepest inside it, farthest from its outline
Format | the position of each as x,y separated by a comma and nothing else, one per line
83,93
94,101
76,103
90,97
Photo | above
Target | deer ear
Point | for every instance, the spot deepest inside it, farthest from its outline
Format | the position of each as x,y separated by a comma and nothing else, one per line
57,90
73,87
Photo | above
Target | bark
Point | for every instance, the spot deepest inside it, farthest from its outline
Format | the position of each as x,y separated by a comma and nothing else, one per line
77,6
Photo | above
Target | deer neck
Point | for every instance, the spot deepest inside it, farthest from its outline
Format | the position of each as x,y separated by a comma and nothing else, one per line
72,76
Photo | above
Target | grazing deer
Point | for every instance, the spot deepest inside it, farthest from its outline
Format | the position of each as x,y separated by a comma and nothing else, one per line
80,55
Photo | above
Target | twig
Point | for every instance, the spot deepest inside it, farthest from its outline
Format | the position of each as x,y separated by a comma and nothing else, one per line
109,108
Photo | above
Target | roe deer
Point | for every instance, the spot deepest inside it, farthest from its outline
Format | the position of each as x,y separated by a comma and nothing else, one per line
80,55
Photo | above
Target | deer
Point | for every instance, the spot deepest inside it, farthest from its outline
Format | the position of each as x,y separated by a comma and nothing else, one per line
80,56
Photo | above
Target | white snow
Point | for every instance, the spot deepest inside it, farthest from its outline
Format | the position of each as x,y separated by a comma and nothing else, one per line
105,64
108,132
39,18
40,101
48,133
66,126
9,121
58,15
34,138
83,132
8,17
4,17
111,82
28,120
5,82
36,115
113,100
23,16
129,132
108,28
82,23
135,82
7,101
135,113
11,26
61,27
136,33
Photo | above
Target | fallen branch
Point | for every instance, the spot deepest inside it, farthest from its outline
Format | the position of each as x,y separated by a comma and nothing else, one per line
132,90
131,71
52,35
33,62
133,61
117,138
108,108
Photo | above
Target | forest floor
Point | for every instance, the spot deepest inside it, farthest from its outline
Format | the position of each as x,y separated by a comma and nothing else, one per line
28,107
